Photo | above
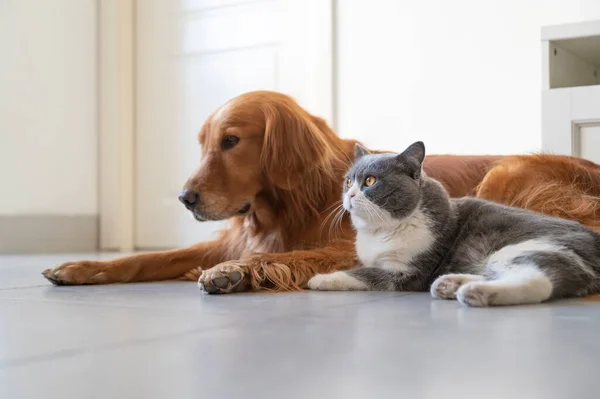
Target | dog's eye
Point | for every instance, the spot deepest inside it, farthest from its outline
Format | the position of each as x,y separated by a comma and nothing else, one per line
229,142
369,181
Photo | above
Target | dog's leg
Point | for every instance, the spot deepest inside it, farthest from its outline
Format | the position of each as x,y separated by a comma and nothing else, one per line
152,266
287,271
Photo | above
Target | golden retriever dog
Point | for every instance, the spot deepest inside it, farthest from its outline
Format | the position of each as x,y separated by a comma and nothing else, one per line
276,172
565,187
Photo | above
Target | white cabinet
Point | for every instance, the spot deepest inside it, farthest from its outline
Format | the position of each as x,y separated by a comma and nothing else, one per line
571,89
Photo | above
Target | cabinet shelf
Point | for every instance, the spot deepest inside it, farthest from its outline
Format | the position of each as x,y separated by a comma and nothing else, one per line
571,55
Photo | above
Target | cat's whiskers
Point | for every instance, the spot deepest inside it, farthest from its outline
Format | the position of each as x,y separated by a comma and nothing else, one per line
379,213
335,207
336,213
373,212
363,205
390,223
337,221
331,215
374,215
335,204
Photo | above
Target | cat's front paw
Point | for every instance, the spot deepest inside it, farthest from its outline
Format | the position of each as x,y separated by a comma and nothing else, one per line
477,294
336,281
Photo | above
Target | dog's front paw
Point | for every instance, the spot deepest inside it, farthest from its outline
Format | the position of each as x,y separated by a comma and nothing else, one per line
225,278
82,272
336,281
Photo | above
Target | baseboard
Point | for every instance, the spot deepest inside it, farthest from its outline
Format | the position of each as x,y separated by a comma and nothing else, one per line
31,234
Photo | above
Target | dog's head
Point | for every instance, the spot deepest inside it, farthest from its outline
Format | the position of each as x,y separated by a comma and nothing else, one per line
255,142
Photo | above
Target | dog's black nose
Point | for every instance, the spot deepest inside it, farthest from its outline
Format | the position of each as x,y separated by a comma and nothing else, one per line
188,198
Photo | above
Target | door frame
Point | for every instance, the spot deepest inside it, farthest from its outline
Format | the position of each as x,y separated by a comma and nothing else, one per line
117,109
116,124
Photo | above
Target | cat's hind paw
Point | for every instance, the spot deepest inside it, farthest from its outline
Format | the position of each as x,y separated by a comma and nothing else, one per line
336,281
445,286
476,294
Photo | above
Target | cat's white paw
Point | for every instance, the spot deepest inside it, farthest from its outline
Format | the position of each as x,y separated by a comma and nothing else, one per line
477,294
445,286
336,281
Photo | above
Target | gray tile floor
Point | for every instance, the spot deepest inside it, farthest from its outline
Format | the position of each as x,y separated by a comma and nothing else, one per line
167,340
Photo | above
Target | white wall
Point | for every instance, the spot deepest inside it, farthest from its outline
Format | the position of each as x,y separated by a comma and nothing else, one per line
48,138
462,75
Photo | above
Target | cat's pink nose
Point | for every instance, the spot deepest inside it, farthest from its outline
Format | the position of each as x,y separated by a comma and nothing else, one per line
351,195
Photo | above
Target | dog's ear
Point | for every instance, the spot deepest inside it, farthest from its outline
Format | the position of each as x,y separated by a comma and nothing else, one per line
293,145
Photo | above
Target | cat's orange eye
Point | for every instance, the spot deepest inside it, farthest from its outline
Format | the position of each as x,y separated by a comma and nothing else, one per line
348,183
369,181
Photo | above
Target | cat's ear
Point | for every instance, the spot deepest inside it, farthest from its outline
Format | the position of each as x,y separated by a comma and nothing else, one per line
415,151
413,158
360,151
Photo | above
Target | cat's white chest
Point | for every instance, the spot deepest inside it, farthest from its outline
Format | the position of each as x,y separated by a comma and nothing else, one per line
370,247
395,250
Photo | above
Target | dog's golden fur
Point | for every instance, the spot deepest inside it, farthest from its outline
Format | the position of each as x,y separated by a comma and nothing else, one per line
288,166
565,187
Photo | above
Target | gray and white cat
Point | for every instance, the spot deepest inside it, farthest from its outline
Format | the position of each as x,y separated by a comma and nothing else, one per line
412,237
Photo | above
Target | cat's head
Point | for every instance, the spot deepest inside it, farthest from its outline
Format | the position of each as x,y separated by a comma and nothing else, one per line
383,188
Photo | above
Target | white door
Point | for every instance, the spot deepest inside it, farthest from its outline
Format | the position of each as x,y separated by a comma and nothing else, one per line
193,55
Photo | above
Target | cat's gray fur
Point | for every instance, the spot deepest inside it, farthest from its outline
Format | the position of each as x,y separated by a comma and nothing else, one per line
412,237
